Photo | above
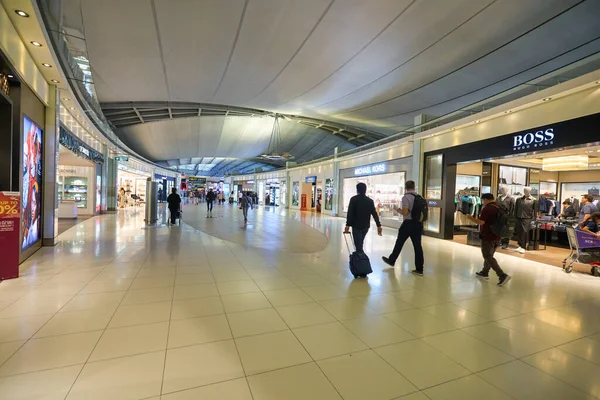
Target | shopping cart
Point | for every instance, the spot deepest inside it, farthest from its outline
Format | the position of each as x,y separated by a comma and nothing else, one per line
585,249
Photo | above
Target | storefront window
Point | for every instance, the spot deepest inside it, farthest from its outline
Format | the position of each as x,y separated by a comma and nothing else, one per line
386,190
514,178
433,177
574,191
434,220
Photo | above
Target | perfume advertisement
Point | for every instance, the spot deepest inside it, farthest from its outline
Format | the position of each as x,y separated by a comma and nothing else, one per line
31,207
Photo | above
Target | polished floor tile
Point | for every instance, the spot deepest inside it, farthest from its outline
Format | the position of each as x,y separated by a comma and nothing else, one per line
199,365
236,317
300,315
468,351
186,332
568,368
124,378
51,352
236,389
421,364
376,330
525,382
52,384
295,383
469,387
255,322
328,340
270,351
131,340
365,375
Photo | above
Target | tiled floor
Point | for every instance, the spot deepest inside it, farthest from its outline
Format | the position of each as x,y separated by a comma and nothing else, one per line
212,310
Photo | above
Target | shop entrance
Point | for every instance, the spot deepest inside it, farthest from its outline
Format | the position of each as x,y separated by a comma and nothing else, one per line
541,184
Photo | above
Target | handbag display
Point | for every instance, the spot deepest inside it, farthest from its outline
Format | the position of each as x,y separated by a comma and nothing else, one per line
594,191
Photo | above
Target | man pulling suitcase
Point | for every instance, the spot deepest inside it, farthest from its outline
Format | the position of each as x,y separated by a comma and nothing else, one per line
360,210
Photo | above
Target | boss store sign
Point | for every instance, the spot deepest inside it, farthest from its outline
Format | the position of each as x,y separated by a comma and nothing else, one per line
533,140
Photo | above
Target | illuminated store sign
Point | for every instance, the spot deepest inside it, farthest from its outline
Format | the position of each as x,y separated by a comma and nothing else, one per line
311,179
370,169
533,140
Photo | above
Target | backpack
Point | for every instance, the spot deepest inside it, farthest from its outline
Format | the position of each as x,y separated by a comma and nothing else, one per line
500,225
420,210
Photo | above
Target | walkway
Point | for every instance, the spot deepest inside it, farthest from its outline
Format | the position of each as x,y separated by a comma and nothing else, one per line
120,311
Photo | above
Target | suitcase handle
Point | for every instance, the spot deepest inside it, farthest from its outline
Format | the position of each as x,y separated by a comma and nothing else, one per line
346,234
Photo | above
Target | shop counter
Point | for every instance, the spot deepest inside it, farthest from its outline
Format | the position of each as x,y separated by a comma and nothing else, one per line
67,209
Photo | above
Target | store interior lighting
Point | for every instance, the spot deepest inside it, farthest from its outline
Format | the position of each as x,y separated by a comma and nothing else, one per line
566,163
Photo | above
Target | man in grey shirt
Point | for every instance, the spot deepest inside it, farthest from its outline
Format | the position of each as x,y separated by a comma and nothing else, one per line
587,209
409,229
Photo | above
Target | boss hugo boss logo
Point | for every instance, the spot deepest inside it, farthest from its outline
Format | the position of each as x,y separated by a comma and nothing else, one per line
533,139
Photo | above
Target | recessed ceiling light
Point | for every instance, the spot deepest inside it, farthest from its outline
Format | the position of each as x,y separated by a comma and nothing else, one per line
547,99
55,81
507,111
597,82
66,99
477,121
10,76
47,65
453,129
36,44
72,108
22,13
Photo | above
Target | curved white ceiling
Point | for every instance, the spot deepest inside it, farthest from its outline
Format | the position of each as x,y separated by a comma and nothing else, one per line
375,64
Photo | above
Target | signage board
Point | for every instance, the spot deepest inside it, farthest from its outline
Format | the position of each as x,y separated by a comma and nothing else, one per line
370,169
121,158
311,179
197,180
10,217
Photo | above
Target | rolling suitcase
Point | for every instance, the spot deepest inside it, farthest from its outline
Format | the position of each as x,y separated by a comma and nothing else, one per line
360,266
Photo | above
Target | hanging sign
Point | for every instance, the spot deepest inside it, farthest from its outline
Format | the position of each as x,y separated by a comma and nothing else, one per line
10,217
311,179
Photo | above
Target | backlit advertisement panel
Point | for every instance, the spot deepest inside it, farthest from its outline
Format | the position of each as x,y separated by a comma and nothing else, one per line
31,203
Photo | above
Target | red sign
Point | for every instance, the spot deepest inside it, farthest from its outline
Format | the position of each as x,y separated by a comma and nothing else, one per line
10,204
303,202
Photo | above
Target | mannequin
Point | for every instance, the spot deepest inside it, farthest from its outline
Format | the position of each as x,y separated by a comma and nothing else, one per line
508,202
526,209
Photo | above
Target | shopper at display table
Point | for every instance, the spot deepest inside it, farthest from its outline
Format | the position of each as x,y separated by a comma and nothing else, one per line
587,209
568,210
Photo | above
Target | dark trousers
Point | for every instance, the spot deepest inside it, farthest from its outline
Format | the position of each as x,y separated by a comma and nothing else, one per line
488,249
413,230
522,228
173,215
358,235
209,205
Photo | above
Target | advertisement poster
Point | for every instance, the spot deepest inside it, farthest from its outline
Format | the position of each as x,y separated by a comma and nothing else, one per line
328,193
31,206
9,234
98,192
295,193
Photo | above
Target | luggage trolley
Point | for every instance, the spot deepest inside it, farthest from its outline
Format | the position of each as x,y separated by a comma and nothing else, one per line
178,217
585,249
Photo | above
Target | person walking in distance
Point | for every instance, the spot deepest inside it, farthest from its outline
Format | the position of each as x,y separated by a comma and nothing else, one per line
492,215
174,202
360,210
245,204
414,212
210,198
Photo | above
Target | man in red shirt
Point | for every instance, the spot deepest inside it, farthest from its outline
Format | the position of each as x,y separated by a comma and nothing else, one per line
489,241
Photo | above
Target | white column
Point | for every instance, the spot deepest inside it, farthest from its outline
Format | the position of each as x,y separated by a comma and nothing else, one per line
51,143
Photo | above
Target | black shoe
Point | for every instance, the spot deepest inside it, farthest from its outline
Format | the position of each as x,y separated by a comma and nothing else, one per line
417,272
504,279
482,275
387,261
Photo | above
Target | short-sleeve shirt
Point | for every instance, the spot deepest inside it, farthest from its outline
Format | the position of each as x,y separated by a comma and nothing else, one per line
408,201
588,208
489,213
